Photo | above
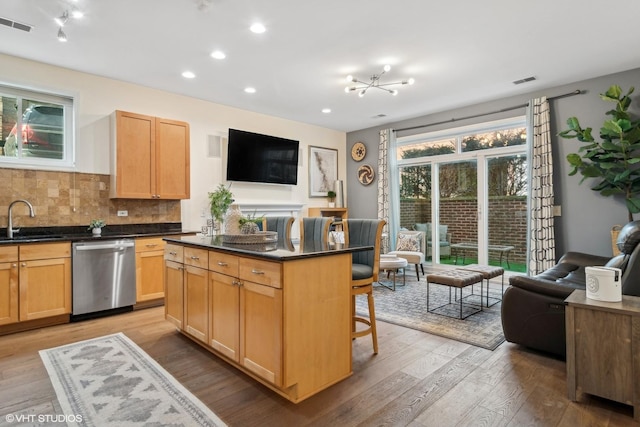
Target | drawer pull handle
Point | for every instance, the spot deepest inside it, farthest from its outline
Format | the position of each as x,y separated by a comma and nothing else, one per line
254,271
222,264
236,283
14,265
195,257
151,245
24,264
173,253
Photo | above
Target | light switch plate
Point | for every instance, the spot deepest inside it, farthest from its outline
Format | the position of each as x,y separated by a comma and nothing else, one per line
123,213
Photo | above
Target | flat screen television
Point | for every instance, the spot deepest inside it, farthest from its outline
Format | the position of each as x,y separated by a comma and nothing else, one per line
253,157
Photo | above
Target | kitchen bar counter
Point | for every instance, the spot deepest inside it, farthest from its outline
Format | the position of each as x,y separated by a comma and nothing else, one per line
279,313
277,251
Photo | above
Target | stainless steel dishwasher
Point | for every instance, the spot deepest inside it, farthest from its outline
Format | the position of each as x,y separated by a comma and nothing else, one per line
104,277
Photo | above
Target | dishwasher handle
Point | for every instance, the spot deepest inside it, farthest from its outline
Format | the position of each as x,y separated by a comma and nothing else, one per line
105,246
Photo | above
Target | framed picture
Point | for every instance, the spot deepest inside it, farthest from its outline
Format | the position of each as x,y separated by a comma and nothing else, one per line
323,170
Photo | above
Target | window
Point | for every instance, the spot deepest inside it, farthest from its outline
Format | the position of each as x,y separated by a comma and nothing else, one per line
37,128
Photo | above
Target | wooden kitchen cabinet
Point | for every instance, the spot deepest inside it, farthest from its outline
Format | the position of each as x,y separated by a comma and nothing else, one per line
174,285
149,268
285,322
44,280
246,316
196,294
8,285
149,157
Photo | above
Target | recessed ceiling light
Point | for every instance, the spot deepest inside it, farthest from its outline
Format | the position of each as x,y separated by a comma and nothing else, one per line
326,110
250,89
257,28
188,75
218,54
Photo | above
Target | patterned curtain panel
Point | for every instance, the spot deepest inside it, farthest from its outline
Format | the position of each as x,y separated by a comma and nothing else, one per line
387,210
542,252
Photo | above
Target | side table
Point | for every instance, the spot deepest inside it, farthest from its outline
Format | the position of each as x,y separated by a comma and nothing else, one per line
603,349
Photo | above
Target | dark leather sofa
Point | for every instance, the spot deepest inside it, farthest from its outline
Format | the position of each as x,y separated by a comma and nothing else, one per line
533,307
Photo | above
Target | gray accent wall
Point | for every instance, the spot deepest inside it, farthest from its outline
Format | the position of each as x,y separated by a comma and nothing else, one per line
587,217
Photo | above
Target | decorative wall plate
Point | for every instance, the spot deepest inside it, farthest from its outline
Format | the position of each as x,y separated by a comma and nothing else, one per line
358,151
366,174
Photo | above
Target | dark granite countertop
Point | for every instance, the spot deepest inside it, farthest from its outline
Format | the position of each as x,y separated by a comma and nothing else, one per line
80,233
278,251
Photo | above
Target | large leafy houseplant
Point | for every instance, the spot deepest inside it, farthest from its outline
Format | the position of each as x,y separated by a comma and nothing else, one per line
613,162
219,202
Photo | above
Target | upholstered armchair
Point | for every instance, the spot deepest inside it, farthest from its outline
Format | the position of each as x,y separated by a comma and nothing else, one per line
410,245
444,236
533,308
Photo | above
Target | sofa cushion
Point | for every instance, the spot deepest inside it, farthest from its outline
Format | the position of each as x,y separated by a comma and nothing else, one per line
407,242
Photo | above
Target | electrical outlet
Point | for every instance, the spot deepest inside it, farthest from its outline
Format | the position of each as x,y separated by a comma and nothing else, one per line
123,213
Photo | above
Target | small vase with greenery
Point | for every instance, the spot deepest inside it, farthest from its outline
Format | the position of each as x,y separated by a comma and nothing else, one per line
332,198
96,226
613,162
219,202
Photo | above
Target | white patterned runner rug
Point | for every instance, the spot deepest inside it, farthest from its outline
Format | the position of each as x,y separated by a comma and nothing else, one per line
110,381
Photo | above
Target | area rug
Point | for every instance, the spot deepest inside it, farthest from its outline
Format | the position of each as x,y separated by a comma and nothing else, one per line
407,306
110,381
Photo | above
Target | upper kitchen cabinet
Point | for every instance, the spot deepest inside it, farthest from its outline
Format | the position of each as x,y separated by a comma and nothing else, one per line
149,157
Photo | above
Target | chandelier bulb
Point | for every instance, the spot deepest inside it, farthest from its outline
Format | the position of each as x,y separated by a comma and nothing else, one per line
394,92
387,68
349,78
362,92
411,81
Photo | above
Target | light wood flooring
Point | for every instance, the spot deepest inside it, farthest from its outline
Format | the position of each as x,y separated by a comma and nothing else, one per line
417,379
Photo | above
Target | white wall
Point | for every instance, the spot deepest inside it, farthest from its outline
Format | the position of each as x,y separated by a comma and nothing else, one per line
97,97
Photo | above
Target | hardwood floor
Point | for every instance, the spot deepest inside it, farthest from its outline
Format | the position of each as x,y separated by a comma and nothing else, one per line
417,380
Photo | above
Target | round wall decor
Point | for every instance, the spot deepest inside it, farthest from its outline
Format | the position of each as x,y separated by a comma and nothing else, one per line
358,151
366,174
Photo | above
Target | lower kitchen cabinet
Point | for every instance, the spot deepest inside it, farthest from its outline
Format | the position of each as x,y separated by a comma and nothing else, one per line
196,294
149,268
8,285
35,282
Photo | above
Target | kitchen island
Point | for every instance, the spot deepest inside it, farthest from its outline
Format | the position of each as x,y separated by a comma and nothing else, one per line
278,312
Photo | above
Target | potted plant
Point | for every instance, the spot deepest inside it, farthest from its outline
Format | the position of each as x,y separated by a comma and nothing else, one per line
614,161
219,202
332,198
96,226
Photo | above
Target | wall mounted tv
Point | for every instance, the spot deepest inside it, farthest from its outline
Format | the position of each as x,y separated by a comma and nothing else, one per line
253,157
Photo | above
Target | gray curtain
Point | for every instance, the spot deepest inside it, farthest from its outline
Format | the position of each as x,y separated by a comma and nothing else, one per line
387,179
541,243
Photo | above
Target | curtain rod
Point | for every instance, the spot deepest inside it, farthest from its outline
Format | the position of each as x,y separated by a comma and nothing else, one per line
575,92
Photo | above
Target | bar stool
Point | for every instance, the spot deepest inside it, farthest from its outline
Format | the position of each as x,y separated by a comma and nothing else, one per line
364,271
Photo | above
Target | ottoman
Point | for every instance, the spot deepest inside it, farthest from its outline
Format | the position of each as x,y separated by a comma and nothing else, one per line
458,279
392,263
489,272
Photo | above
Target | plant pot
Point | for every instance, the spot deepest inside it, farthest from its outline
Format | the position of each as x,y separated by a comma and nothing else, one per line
332,204
96,231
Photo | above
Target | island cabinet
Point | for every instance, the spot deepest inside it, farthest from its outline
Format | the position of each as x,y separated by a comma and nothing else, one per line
174,284
284,321
149,157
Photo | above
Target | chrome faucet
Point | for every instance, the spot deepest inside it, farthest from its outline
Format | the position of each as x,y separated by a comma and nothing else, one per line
10,229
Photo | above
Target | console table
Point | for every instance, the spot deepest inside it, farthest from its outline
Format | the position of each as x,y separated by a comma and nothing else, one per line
464,247
602,349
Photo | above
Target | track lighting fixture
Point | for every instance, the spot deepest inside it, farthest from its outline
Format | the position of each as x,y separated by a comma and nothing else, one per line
61,35
63,19
374,82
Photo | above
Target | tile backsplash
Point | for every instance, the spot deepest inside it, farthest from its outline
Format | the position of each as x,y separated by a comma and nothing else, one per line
69,198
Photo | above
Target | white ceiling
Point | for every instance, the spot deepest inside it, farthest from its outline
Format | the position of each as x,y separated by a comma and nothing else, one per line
459,52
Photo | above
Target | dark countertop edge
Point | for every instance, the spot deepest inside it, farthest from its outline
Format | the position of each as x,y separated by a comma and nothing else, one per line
276,255
89,237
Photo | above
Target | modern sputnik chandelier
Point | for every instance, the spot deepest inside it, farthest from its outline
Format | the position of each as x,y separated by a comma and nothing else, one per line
374,82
